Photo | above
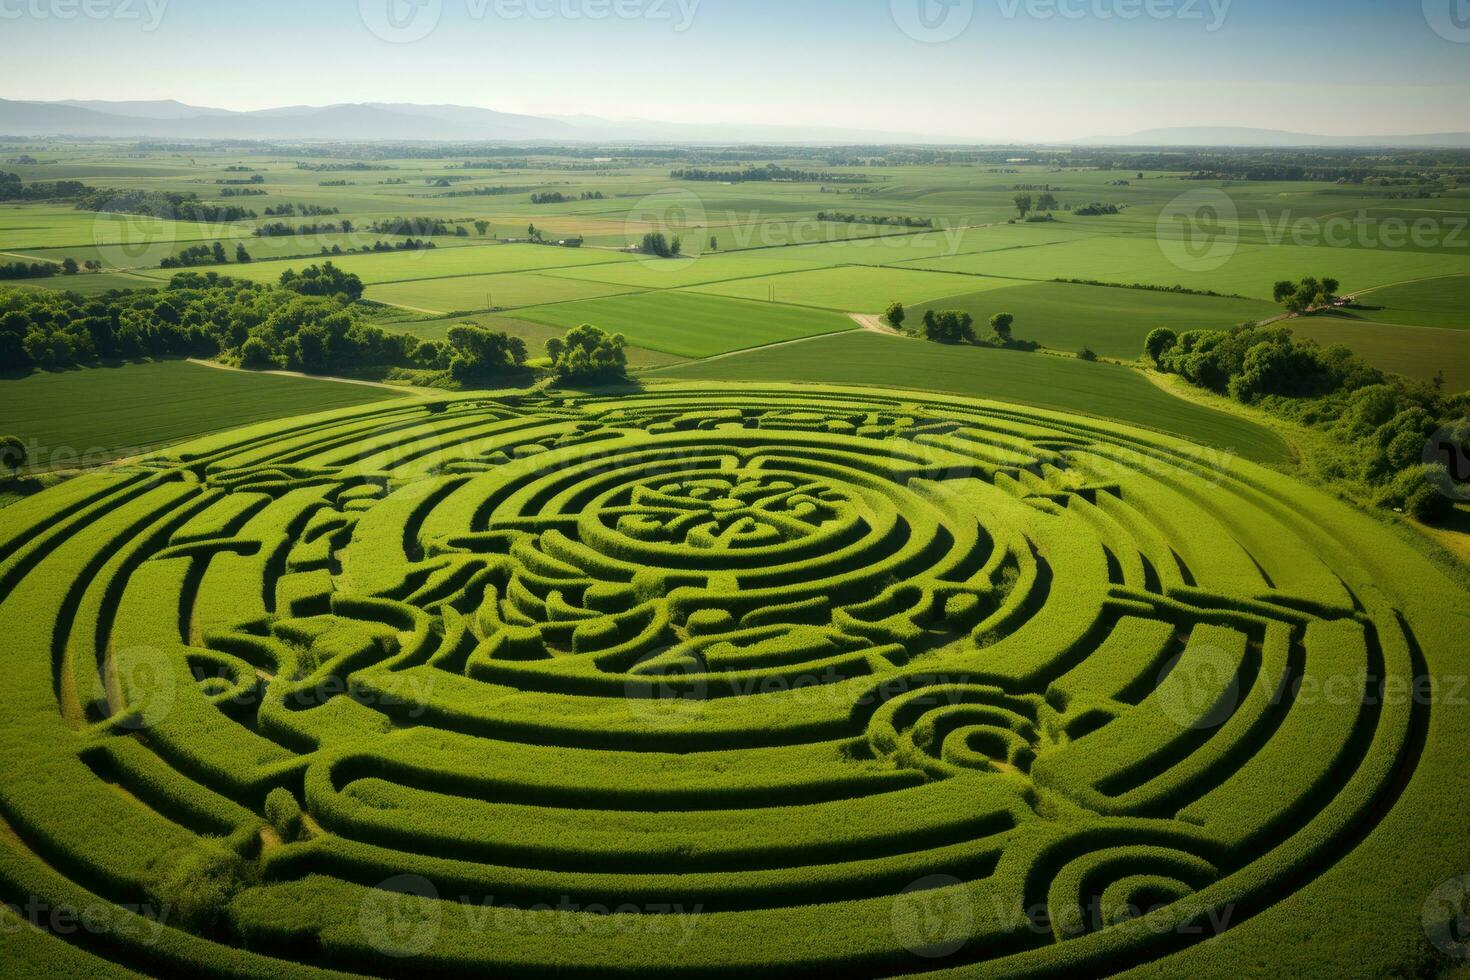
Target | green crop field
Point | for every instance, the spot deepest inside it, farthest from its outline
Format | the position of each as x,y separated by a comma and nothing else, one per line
714,680
1061,384
534,334
502,291
692,325
1113,322
1415,352
99,414
854,289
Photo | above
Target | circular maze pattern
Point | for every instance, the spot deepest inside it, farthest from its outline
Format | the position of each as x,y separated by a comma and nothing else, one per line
700,681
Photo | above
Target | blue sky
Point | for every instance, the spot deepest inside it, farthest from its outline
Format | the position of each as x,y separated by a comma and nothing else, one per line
1019,69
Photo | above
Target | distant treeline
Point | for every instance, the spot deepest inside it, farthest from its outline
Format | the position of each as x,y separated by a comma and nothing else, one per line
903,221
242,192
179,207
415,227
12,188
496,191
290,210
279,229
557,197
769,172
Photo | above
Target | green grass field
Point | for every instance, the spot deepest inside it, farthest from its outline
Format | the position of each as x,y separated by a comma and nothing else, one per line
1442,302
1046,381
1113,322
1416,352
691,325
719,680
852,289
98,414
502,291
1250,271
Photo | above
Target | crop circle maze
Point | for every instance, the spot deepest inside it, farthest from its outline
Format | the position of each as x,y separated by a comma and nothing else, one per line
703,680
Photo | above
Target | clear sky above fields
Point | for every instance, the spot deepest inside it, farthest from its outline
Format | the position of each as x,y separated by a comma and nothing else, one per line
976,69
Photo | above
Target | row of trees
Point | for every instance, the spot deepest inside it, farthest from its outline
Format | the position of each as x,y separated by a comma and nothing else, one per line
656,243
178,207
12,188
954,326
196,255
45,270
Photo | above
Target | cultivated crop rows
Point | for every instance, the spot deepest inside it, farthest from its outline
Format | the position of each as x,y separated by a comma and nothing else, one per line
712,680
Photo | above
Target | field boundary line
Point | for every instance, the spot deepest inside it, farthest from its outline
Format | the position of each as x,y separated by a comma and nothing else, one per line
405,389
744,350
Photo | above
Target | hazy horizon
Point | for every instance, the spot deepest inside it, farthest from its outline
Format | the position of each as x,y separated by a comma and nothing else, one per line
1023,70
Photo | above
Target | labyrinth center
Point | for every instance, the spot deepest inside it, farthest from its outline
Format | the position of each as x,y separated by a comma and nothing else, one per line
704,680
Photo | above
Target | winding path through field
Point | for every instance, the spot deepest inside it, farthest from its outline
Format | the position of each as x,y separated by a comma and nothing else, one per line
311,377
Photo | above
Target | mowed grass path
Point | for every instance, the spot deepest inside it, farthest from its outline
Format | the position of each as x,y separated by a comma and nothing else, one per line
504,291
1113,322
97,414
1104,390
689,324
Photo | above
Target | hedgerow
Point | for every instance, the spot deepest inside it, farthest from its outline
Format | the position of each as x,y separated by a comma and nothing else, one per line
712,681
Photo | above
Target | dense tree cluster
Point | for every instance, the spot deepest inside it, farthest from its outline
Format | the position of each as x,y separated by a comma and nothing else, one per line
1096,208
656,243
1308,294
323,280
1381,424
290,210
198,255
557,197
588,355
414,227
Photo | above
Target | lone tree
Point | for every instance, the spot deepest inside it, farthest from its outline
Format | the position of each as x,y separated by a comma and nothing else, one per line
12,454
1024,204
1047,202
241,255
69,266
1001,323
588,354
482,227
895,315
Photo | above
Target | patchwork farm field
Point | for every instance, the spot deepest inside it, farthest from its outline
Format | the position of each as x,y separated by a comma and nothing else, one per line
713,676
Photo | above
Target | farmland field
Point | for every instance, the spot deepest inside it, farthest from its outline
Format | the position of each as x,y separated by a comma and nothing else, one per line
99,414
1113,322
702,681
692,325
1060,384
